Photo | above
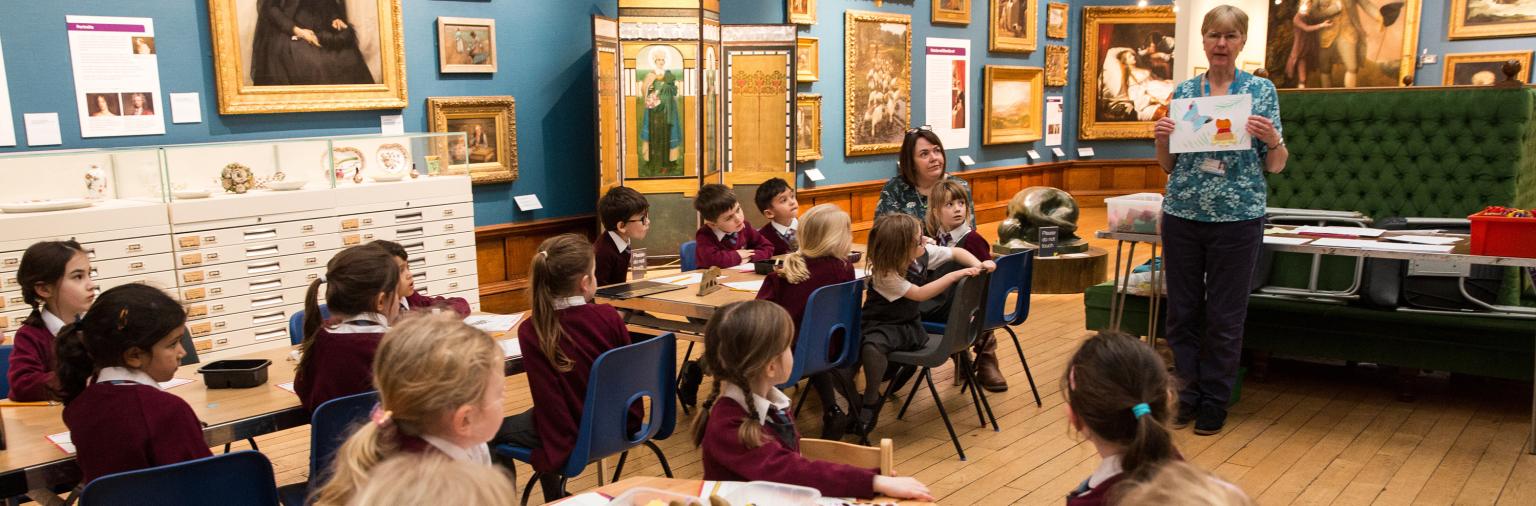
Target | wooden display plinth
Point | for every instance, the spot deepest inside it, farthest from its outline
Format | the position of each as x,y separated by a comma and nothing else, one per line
1070,273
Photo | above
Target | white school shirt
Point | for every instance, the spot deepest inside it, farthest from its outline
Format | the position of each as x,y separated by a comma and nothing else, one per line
794,225
619,241
476,454
53,323
759,404
126,374
894,287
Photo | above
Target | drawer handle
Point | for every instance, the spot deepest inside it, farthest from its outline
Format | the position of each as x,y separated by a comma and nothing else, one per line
453,285
90,253
12,262
136,266
134,248
419,275
217,308
448,227
407,217
264,268
447,213
453,271
266,301
367,221
453,256
261,233
309,244
311,261
95,272
307,229
273,317
408,232
267,284
17,300
272,333
415,247
450,242
262,251
417,263
424,290
221,341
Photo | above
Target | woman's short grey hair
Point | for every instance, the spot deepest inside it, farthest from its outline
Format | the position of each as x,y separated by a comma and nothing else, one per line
1225,17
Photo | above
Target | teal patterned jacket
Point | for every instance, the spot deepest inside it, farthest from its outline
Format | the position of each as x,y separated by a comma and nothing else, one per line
1241,193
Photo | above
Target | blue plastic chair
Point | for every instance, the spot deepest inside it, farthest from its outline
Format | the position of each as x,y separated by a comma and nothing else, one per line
5,370
620,377
838,309
330,426
689,255
231,479
1014,274
296,324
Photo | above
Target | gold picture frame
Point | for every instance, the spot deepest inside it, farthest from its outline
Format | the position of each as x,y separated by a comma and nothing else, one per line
490,159
1465,24
1056,18
1463,69
877,81
1011,25
1057,60
807,127
807,59
800,12
1114,111
1014,100
951,12
1391,58
466,45
251,78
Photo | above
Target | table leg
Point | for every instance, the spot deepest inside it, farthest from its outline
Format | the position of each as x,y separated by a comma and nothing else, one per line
1154,303
1114,286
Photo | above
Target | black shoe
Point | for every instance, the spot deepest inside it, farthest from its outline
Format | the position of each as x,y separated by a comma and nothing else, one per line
688,392
834,423
866,421
1185,417
1211,420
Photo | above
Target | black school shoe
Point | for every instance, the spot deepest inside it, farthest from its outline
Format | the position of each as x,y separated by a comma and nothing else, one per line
1185,416
834,423
1210,420
693,375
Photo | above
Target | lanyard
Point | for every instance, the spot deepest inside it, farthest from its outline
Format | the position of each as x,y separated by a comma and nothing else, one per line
1205,83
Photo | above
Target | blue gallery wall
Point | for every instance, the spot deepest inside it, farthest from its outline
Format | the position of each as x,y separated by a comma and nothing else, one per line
1434,23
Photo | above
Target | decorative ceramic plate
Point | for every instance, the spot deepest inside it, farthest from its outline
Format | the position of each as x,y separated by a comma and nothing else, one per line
286,185
346,161
392,159
193,193
38,206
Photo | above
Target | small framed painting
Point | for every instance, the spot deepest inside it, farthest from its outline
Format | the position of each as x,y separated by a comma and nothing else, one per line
1015,96
807,59
801,12
1484,69
1056,20
1056,60
466,45
490,134
807,127
951,12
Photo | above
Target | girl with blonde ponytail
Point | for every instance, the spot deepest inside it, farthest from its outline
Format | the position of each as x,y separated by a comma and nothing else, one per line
744,430
440,385
825,238
564,336
1117,391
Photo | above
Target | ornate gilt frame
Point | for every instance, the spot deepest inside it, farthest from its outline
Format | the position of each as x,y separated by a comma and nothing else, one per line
237,98
945,17
1452,59
850,52
1035,129
1458,29
812,152
1057,31
1087,91
500,108
809,18
1057,59
1012,44
807,72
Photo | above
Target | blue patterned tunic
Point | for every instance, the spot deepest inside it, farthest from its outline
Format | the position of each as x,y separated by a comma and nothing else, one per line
1240,194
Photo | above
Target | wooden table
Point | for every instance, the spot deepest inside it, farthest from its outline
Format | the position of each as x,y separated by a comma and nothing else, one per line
687,302
694,487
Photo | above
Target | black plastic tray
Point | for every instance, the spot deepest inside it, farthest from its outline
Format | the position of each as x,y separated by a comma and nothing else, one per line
235,373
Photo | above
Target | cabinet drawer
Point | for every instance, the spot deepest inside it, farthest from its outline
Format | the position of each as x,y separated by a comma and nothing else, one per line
100,251
11,300
439,287
107,269
416,246
445,271
241,321
472,296
442,257
264,233
242,337
260,301
258,267
404,232
258,284
164,280
255,250
370,216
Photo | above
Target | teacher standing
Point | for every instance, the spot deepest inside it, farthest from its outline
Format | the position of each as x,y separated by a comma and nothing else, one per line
1212,227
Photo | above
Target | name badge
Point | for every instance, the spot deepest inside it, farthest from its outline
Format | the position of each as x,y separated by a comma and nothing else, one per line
1213,166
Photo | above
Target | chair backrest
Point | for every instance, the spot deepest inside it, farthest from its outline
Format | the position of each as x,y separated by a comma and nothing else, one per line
621,377
1014,274
330,426
239,478
882,457
296,324
688,253
837,310
188,346
964,322
5,370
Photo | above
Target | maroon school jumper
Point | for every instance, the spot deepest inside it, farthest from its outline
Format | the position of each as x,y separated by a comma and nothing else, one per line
780,244
972,242
1096,496
338,364
419,301
587,331
712,252
726,459
611,263
793,296
31,374
122,426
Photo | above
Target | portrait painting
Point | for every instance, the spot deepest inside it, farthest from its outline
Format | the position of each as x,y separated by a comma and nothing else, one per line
466,45
957,102
1015,96
489,145
1057,58
951,12
103,104
276,56
1056,20
807,59
877,81
1127,70
1012,26
1341,43
138,103
143,45
807,127
1482,19
1484,69
659,79
801,12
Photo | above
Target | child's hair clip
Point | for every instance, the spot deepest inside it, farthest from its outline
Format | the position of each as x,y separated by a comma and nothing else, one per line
380,416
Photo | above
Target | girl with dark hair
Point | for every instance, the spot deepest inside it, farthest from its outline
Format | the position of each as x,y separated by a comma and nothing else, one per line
1119,398
55,279
337,352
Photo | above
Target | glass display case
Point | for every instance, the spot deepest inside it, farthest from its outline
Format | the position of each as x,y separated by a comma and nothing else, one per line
224,170
43,181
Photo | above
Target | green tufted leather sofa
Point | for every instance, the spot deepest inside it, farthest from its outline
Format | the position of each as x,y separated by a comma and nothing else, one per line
1426,152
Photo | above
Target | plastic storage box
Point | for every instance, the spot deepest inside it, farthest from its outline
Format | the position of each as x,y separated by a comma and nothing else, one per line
767,492
642,496
235,373
1503,236
1139,213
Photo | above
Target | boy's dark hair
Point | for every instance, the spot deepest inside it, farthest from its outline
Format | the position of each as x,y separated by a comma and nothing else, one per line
714,200
768,191
126,317
393,248
618,205
44,263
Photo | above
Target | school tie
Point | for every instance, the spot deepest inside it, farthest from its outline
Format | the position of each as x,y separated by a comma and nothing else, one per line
789,237
944,239
784,428
729,240
914,269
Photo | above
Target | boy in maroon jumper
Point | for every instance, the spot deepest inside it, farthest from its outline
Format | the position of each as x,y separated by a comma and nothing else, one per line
625,216
336,357
725,240
406,286
776,200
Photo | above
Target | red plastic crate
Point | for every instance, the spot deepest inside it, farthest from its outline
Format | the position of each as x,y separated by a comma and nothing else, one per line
1503,236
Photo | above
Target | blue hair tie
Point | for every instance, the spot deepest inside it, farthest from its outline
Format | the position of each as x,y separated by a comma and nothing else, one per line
1140,409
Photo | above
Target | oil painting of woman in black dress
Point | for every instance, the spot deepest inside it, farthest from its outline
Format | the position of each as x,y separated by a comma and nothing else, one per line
306,42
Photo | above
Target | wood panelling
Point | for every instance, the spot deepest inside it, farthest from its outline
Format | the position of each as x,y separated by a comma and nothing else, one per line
504,252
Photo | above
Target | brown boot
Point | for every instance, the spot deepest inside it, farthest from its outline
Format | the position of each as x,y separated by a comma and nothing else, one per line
987,373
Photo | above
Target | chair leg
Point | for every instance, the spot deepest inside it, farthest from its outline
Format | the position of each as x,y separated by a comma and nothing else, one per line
915,385
529,489
252,441
945,415
683,366
554,489
619,469
795,412
666,468
1024,362
226,447
981,395
963,367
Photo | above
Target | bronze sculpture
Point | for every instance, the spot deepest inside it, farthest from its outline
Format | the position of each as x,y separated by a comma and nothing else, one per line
1035,207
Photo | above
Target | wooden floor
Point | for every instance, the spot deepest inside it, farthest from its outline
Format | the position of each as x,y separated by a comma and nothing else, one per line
1309,434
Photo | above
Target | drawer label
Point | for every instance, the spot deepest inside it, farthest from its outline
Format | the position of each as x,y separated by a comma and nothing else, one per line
190,241
202,344
5,323
200,329
349,240
192,259
197,310
194,294
192,277
349,224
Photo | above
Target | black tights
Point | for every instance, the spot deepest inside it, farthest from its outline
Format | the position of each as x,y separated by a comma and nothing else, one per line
874,361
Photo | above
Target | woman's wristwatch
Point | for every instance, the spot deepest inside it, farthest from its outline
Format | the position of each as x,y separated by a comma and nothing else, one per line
1276,145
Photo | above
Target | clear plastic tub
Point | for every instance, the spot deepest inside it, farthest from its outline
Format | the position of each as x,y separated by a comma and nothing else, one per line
642,496
763,493
1139,213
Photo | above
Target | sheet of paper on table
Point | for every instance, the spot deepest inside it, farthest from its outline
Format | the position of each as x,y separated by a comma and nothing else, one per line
1380,246
494,322
745,286
510,348
1292,241
287,386
173,383
692,278
1423,239
860,273
586,499
746,267
1349,231
62,441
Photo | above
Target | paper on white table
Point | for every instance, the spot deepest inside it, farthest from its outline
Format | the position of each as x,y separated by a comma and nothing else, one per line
1423,239
1292,241
173,383
745,286
63,441
494,322
1350,231
510,348
1381,246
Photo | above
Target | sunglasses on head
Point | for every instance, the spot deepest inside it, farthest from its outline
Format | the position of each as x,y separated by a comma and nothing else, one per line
927,128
